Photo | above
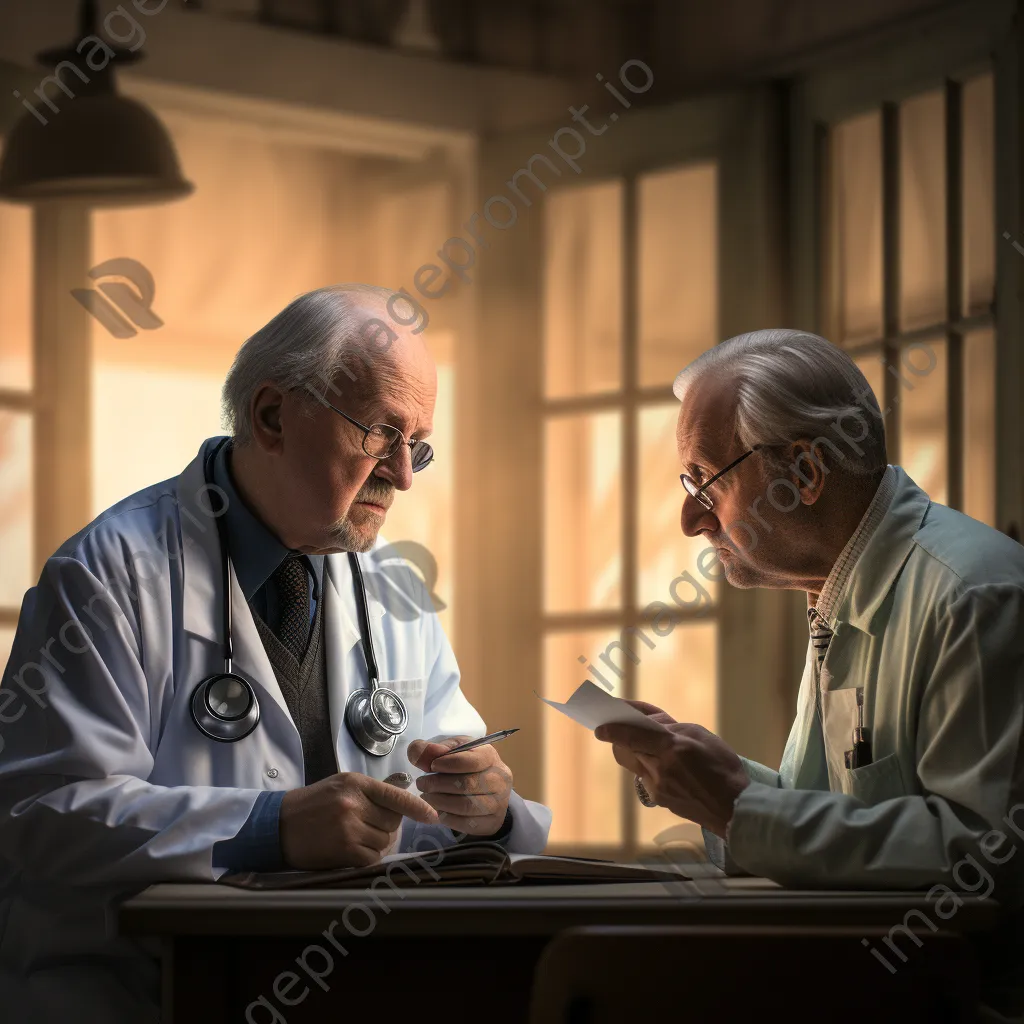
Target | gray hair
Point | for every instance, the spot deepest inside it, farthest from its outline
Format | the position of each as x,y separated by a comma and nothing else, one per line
307,344
793,385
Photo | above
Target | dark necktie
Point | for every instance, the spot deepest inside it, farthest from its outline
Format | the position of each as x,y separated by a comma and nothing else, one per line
292,584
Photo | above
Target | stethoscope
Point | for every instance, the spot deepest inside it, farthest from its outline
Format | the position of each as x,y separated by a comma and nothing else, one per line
224,706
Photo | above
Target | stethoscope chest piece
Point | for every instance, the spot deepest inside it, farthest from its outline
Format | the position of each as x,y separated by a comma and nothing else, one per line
225,708
376,718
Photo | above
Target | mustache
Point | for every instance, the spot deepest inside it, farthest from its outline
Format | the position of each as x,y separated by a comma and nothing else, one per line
376,492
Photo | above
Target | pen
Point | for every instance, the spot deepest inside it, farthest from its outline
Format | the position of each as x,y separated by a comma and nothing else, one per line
860,755
493,738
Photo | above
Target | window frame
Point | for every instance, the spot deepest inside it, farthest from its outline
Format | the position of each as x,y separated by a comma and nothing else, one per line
629,401
939,51
741,131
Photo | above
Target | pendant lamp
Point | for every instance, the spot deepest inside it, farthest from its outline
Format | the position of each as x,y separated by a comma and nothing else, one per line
80,140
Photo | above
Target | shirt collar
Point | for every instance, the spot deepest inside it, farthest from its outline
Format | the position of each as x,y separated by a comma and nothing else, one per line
883,557
838,579
255,551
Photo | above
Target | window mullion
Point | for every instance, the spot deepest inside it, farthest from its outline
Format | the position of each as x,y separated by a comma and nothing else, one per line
891,271
954,296
630,476
15,401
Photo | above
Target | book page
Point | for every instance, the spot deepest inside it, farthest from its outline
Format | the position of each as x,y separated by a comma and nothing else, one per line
533,865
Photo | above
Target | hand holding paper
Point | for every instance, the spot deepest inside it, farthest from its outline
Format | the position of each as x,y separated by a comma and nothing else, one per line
591,706
685,767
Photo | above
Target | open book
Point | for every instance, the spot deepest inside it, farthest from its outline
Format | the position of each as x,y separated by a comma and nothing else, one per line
477,863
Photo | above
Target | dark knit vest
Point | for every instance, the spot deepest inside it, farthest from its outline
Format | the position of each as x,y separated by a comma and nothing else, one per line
304,685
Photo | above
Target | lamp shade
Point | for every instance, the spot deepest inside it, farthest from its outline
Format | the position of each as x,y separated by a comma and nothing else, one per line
103,148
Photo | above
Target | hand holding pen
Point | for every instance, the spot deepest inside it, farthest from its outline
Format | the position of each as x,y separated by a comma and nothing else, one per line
469,786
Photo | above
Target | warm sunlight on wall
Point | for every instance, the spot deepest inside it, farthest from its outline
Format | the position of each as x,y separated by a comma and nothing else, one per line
147,426
16,296
16,529
260,228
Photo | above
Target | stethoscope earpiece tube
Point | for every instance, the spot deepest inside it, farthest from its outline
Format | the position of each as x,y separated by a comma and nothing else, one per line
364,620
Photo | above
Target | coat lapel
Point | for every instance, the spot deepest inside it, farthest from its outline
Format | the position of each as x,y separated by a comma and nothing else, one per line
203,597
884,556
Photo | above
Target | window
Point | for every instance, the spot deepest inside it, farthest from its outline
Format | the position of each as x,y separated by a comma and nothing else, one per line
909,289
630,297
16,441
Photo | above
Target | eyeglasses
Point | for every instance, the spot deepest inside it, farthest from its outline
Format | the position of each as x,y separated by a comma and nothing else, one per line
700,491
381,440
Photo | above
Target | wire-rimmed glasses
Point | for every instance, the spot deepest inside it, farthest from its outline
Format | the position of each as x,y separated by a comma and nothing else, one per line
699,491
382,440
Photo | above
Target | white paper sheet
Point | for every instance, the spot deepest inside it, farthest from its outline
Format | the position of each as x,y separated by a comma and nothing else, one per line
591,706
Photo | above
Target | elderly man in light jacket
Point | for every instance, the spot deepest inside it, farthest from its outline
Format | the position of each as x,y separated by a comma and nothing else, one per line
916,621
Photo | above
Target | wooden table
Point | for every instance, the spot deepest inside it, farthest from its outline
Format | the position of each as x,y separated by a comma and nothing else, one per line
231,954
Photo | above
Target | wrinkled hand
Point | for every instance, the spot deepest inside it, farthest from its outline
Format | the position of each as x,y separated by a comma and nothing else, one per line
622,753
345,820
470,790
685,768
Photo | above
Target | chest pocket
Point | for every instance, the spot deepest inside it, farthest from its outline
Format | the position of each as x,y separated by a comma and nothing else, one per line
875,782
410,690
871,783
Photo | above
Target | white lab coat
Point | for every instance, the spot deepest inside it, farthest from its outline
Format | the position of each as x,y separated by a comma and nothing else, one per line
106,784
932,628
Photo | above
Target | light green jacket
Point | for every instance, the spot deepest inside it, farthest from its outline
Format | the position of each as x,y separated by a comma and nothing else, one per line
932,627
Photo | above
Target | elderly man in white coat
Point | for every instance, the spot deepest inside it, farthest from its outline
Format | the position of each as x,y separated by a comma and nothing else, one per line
122,766
903,767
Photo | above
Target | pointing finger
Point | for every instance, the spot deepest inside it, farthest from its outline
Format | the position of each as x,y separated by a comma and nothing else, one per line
395,799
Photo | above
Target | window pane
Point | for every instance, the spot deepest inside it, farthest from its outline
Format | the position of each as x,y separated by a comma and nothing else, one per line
857,225
582,780
15,507
680,675
922,211
133,446
678,261
583,290
582,513
874,370
980,426
15,297
978,159
922,412
664,551
6,643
